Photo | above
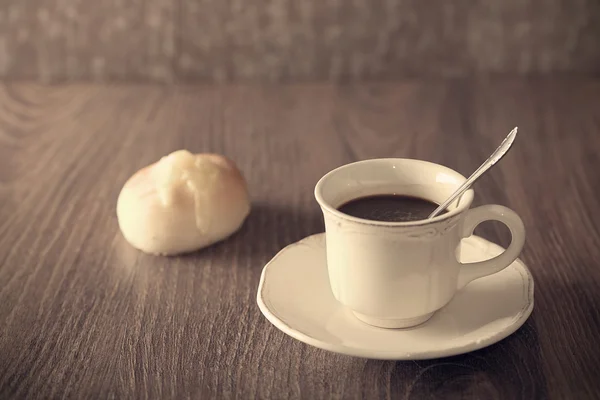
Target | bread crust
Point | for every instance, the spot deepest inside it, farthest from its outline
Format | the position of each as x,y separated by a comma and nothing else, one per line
185,213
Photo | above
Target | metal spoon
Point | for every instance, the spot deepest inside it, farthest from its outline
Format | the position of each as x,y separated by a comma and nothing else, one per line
489,163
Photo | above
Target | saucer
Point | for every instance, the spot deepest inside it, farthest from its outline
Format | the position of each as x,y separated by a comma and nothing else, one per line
294,295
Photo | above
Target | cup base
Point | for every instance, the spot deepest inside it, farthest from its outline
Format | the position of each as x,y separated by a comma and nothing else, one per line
393,323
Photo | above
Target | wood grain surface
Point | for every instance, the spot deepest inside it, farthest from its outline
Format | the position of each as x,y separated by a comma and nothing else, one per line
84,315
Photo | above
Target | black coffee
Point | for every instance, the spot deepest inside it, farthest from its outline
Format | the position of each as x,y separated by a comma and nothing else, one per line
389,208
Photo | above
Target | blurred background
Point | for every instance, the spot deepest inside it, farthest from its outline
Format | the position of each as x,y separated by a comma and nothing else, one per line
289,41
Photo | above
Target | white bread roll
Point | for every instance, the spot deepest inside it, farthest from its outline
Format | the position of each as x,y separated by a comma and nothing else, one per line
182,203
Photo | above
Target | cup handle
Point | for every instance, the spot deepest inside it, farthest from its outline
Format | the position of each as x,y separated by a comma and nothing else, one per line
471,271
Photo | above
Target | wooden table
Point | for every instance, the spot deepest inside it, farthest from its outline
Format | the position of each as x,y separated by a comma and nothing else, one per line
84,315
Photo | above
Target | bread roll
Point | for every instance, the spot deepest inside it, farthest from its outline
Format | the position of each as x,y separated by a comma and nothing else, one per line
182,203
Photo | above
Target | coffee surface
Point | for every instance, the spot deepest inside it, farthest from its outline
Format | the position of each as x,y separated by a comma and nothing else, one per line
389,208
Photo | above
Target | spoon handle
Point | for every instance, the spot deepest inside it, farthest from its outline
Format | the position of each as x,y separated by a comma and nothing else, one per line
489,163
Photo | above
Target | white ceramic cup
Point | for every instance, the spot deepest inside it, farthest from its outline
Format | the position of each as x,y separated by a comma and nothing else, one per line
397,274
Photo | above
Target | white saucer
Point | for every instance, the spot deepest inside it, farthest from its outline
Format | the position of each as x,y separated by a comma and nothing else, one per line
294,295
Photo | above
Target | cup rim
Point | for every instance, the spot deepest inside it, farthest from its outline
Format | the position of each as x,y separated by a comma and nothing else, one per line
465,203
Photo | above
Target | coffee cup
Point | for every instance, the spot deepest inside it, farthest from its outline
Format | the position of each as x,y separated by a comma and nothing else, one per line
398,274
